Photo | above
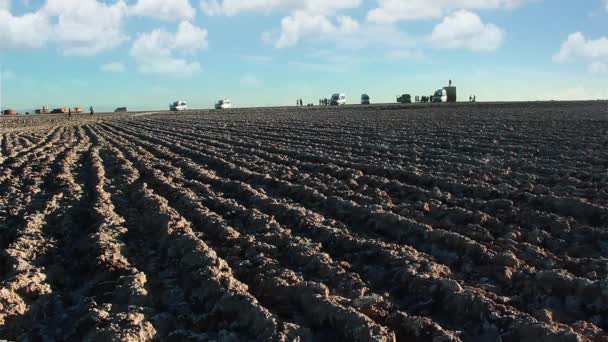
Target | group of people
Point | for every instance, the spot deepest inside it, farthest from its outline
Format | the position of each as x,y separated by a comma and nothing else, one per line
322,102
472,98
422,99
299,102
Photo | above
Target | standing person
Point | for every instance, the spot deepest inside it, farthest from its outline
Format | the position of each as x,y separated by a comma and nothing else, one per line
70,113
91,110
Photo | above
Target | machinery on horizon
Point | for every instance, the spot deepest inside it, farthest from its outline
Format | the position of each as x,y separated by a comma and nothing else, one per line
43,110
223,104
365,99
405,98
445,94
337,100
178,106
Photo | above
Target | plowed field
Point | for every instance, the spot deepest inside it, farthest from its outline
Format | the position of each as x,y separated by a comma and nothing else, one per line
472,222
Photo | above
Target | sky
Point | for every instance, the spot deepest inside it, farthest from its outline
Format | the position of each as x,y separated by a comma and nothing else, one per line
144,54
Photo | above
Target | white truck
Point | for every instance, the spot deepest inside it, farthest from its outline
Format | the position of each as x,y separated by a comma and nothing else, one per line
178,106
338,100
223,104
441,95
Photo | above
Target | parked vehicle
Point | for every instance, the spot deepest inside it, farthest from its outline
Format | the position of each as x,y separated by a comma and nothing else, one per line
365,99
178,106
60,111
120,110
43,110
338,100
450,93
223,104
405,98
441,95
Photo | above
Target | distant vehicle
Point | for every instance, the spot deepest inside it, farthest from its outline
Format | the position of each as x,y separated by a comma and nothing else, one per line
120,110
405,98
60,111
178,106
365,99
450,93
223,104
43,110
338,100
441,95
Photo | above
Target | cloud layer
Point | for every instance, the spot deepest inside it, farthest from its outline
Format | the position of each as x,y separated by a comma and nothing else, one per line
165,10
592,51
91,27
235,7
391,11
163,53
464,29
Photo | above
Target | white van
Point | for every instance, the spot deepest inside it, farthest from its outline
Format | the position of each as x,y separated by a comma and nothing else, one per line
223,104
338,100
441,95
178,106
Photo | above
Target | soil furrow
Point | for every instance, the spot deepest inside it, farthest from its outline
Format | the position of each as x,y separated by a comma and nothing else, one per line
233,172
207,281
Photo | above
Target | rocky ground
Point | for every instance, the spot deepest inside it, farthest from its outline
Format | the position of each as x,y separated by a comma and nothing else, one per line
472,222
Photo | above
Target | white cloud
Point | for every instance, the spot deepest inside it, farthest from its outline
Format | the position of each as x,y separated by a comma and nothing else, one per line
115,67
303,24
155,52
30,30
391,11
87,27
165,9
190,38
578,47
464,29
234,7
80,27
249,80
304,19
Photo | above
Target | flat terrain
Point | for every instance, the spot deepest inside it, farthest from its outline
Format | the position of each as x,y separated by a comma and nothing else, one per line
468,222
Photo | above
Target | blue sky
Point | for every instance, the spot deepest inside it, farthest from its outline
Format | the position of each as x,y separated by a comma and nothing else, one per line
145,53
